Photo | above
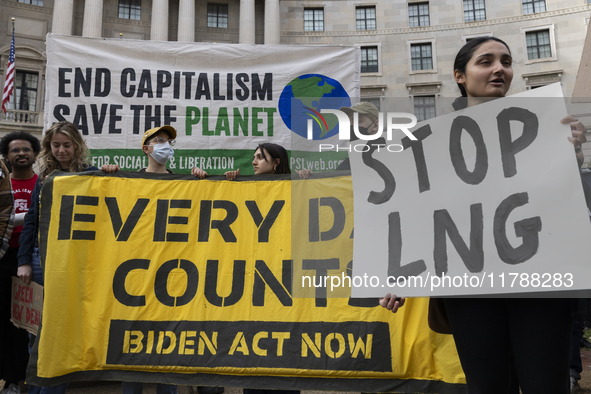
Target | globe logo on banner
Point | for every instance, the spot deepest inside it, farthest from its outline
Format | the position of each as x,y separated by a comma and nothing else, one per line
302,100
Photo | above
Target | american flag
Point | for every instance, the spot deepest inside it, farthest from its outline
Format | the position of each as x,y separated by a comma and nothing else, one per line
9,81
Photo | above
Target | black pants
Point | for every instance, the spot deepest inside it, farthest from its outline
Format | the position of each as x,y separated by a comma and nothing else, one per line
506,343
14,352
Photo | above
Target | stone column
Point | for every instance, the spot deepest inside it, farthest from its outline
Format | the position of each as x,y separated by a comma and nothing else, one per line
186,20
93,18
246,33
159,29
272,23
63,11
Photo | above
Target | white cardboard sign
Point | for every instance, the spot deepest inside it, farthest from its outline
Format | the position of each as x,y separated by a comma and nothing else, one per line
488,201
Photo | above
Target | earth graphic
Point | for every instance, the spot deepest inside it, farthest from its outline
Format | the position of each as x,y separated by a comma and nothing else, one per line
304,97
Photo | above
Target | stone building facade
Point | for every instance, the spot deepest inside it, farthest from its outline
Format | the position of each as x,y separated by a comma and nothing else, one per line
407,46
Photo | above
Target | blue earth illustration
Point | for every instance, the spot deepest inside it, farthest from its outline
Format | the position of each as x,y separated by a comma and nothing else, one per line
304,97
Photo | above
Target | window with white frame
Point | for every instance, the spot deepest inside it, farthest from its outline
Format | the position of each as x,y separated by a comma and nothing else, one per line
424,107
130,9
538,44
418,14
217,15
313,19
421,56
25,97
365,18
533,6
474,10
369,59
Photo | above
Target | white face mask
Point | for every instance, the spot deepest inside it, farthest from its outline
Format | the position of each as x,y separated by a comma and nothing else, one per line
162,152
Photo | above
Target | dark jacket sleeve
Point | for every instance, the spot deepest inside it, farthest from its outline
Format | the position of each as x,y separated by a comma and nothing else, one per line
6,209
29,232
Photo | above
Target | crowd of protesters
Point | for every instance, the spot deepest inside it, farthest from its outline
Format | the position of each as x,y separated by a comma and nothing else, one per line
521,354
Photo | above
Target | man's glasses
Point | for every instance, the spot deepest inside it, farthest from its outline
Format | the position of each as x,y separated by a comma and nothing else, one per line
16,151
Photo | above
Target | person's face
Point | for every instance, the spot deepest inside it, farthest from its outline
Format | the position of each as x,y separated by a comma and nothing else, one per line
366,122
62,148
21,154
489,72
159,138
262,162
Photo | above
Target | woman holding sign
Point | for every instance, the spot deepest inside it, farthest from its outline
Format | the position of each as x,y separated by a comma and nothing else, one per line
504,343
62,149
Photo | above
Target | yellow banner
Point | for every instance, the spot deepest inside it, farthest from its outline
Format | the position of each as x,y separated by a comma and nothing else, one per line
152,277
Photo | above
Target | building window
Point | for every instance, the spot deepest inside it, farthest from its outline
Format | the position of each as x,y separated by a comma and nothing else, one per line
313,19
366,18
474,10
424,107
538,44
373,100
533,6
421,57
32,2
418,14
25,96
130,9
217,15
369,60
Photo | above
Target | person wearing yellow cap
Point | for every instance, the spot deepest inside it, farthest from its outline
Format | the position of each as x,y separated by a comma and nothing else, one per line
157,144
367,124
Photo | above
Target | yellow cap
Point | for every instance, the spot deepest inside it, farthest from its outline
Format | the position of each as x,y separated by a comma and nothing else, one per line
166,128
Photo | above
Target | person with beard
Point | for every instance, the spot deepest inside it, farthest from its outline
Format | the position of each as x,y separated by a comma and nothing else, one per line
20,150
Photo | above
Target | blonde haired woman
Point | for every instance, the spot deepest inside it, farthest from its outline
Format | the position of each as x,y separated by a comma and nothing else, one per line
62,149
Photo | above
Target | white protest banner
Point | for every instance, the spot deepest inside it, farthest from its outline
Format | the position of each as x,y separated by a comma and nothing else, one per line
488,200
223,99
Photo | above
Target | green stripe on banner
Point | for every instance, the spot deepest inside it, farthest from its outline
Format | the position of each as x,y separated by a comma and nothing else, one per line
214,161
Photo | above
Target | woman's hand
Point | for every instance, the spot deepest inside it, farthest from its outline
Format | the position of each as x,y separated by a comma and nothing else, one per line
199,173
110,168
231,175
391,303
304,173
25,272
577,129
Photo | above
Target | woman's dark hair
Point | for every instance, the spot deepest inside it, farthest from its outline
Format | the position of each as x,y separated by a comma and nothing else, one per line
465,54
276,152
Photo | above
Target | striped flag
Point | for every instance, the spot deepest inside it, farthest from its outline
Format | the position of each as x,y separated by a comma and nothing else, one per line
9,81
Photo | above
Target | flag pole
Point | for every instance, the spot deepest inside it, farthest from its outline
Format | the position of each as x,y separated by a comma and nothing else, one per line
9,74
